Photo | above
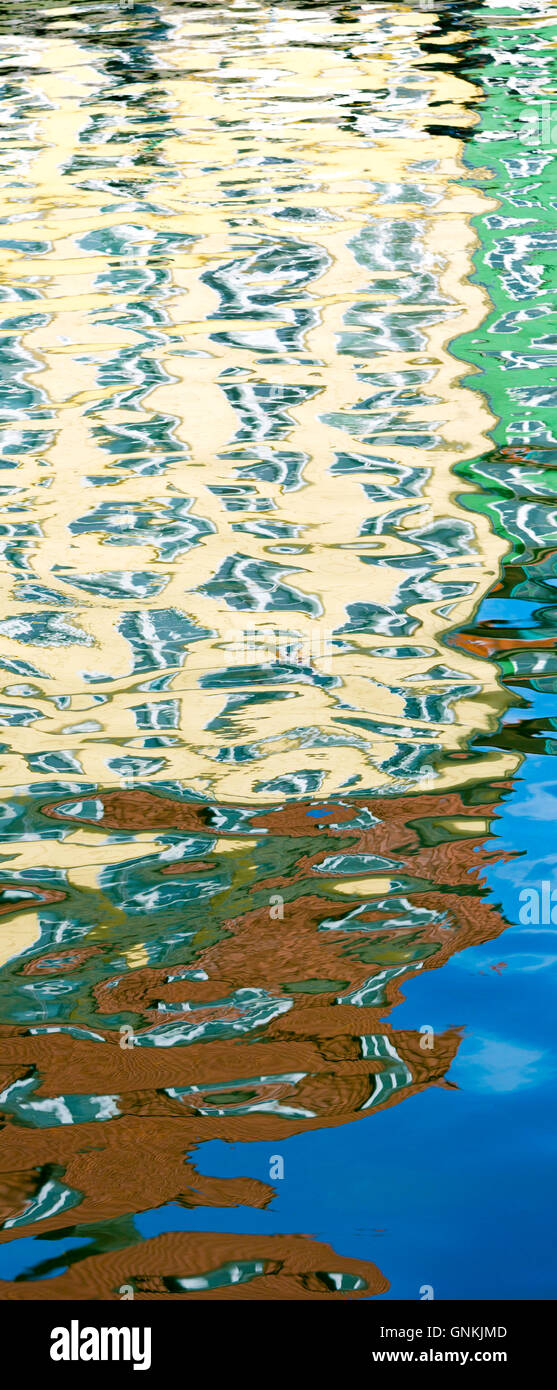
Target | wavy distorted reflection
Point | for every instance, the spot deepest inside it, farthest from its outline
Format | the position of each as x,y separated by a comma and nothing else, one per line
252,754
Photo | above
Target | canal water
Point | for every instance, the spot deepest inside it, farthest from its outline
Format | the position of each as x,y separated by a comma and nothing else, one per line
278,697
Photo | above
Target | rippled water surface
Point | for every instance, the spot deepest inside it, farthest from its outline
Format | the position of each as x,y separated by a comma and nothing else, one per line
277,649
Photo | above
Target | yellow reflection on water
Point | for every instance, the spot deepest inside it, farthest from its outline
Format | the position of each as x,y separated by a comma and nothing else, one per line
251,138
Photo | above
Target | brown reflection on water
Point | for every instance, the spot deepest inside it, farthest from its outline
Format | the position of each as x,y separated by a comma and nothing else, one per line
330,1058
